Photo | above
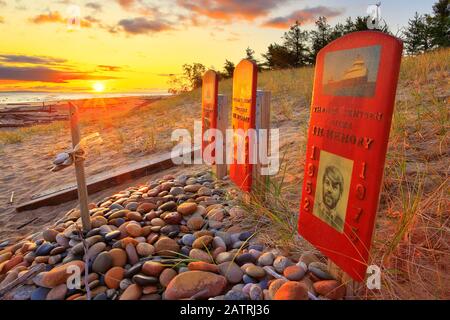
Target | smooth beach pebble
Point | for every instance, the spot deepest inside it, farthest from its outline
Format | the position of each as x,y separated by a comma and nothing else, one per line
113,277
292,290
152,268
166,276
202,284
119,257
330,289
145,249
187,208
132,292
294,273
102,263
255,272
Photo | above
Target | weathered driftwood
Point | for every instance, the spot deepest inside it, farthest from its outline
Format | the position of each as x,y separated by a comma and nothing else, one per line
103,181
22,279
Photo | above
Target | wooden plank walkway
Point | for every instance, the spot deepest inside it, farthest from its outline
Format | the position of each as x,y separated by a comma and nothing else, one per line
102,181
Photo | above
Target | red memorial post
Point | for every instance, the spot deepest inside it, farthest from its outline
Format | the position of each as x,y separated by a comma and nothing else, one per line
210,89
353,98
243,119
214,116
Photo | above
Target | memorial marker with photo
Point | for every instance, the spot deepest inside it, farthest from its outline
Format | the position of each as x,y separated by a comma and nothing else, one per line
243,119
351,111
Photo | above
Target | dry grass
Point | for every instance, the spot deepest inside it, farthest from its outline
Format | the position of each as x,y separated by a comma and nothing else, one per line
20,134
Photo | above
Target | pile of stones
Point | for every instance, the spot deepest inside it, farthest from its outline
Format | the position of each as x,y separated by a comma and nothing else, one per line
170,239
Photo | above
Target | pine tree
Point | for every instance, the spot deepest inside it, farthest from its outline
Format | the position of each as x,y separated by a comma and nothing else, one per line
320,37
295,41
250,55
228,69
279,57
418,35
440,24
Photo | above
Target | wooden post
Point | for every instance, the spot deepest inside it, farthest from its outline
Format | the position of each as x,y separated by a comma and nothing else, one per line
222,125
352,286
79,168
262,122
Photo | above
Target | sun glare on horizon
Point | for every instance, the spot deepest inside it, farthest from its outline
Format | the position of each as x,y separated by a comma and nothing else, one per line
98,87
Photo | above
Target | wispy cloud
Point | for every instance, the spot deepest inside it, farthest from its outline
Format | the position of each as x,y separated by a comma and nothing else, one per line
109,68
94,5
56,17
228,10
142,25
45,74
17,58
126,3
304,16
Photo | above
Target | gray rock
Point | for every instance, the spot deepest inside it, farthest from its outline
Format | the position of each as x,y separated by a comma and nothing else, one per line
125,283
319,269
231,272
188,239
281,263
44,249
40,293
256,292
132,206
266,259
24,292
236,295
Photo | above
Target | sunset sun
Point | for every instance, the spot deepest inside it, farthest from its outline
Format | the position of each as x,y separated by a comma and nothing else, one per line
98,87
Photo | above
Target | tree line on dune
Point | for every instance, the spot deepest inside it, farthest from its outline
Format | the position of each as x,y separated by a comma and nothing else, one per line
299,48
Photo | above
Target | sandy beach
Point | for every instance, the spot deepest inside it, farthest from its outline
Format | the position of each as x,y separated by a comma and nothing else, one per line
25,167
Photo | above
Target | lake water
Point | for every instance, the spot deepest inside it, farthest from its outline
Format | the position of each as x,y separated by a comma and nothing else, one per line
27,97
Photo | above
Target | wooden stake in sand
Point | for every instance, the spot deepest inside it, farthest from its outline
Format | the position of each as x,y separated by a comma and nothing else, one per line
220,168
262,122
79,168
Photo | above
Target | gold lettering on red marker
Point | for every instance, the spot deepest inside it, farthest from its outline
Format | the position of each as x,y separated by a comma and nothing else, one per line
357,215
311,170
362,175
313,153
367,142
360,192
307,204
308,187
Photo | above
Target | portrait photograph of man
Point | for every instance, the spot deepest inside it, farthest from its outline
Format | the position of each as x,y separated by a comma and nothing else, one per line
332,189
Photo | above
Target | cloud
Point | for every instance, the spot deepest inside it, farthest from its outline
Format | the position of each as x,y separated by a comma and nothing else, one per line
109,68
143,25
2,3
304,16
126,4
15,58
56,17
44,74
228,10
51,17
94,5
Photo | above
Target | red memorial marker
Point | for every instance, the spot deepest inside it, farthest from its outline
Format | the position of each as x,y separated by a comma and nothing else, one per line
243,118
353,98
210,90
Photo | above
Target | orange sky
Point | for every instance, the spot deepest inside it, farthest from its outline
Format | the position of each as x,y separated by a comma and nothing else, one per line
133,45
